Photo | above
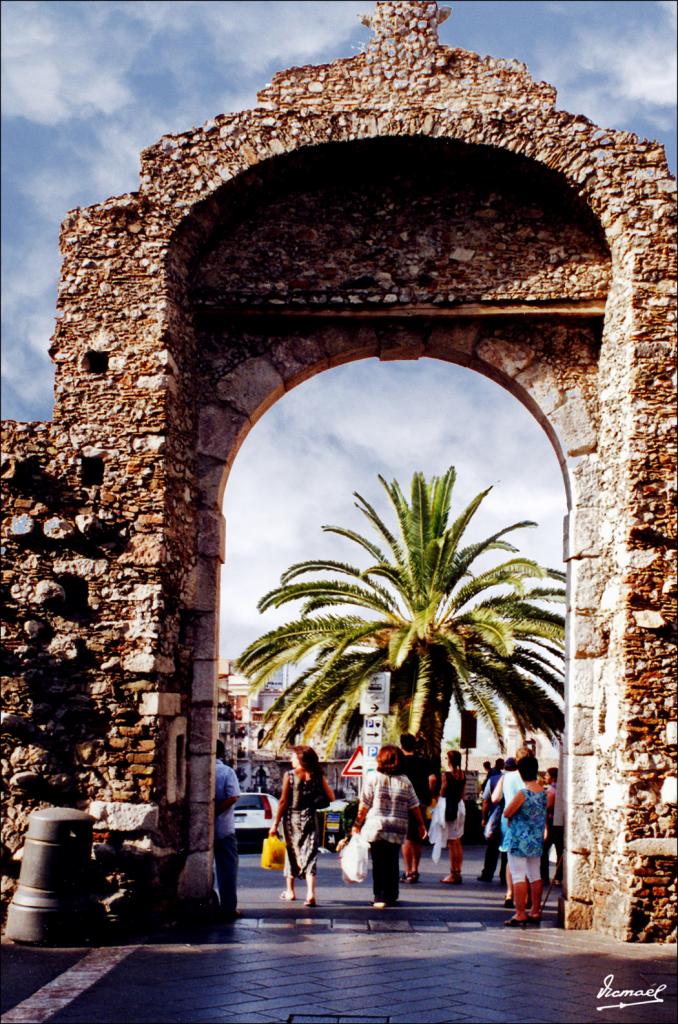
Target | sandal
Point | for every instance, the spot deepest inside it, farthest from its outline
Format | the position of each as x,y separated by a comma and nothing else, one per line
310,903
448,881
287,898
412,878
513,922
531,919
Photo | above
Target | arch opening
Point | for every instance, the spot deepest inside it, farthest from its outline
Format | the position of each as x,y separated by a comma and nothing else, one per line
497,372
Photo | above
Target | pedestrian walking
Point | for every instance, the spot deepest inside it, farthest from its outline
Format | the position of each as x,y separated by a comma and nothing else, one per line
491,822
452,790
418,770
226,793
527,816
559,833
387,804
552,835
305,791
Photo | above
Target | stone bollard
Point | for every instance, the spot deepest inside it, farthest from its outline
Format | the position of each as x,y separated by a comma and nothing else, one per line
52,905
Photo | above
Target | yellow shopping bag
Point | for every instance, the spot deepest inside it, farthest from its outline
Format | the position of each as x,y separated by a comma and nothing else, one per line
273,854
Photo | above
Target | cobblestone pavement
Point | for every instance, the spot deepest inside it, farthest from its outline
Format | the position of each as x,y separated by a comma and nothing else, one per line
444,955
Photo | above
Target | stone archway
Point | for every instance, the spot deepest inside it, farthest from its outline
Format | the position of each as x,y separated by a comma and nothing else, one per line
409,299
164,361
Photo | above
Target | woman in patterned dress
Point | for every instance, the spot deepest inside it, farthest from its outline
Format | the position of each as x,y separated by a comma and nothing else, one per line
304,790
526,814
452,789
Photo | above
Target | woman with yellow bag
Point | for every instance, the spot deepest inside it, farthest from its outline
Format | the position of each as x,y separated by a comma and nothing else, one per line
273,854
305,791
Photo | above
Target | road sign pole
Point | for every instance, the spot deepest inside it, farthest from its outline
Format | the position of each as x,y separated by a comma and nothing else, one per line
375,697
374,703
372,733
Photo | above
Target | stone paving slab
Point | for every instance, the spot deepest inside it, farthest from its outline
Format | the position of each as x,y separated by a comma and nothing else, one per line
314,1018
348,925
388,926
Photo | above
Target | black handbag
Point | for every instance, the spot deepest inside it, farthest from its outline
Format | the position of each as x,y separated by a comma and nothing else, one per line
455,788
320,801
451,808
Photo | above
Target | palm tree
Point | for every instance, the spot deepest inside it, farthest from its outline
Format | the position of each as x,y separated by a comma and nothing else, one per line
446,633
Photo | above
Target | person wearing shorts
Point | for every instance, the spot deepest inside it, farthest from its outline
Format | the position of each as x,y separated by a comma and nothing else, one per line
527,816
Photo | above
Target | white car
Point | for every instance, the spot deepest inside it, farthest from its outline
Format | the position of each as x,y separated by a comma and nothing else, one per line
254,814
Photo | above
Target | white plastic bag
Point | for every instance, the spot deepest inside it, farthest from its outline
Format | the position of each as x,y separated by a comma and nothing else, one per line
370,829
493,822
437,830
354,860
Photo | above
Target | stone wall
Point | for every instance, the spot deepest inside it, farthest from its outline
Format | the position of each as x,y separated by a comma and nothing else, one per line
81,718
400,221
176,333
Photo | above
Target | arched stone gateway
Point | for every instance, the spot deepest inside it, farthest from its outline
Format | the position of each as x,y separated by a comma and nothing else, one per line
412,201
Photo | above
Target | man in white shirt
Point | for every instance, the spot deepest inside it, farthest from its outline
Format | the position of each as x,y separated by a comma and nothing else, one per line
227,791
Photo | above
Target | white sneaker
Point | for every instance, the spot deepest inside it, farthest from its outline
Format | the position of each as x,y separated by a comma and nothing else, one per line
379,905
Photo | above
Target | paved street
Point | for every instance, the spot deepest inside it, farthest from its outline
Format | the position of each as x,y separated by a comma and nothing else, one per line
443,955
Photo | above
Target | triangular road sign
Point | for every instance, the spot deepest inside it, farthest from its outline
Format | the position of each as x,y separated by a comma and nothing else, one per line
354,765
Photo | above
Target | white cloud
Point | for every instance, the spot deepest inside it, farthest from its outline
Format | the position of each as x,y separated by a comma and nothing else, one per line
63,62
612,73
28,310
670,7
29,275
280,33
111,160
26,367
51,194
54,68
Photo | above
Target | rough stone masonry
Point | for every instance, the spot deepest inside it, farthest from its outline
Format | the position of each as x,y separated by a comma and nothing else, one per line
413,201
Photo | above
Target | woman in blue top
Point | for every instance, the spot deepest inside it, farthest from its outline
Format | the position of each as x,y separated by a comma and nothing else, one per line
527,816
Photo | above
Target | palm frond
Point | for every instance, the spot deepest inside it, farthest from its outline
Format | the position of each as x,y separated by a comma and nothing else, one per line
371,514
422,693
357,538
318,565
400,645
511,574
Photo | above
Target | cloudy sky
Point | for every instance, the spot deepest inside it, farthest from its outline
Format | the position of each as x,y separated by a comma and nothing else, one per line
87,85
